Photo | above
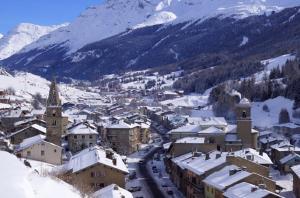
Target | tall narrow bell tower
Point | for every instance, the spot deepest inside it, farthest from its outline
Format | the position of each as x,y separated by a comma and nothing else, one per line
53,116
244,124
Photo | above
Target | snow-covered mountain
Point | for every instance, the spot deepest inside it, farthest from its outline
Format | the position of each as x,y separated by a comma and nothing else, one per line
22,35
120,35
116,16
1,35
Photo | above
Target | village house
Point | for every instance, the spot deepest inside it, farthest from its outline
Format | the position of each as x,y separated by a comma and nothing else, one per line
288,161
112,191
245,189
123,137
189,170
30,131
280,151
189,144
37,148
93,169
218,182
81,136
28,122
216,130
296,180
9,118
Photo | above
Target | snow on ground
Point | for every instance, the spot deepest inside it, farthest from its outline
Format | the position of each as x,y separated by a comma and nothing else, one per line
204,112
26,85
268,119
244,41
23,182
187,101
273,63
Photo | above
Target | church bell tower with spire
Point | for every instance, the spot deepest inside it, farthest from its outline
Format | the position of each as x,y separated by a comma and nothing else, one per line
53,116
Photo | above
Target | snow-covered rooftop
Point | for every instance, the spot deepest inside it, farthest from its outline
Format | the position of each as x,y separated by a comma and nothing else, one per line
296,170
289,157
212,130
82,129
257,158
246,190
208,121
30,141
187,129
122,125
191,140
112,191
92,156
222,178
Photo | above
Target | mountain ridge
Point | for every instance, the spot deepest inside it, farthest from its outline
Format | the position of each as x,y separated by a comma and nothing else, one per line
22,35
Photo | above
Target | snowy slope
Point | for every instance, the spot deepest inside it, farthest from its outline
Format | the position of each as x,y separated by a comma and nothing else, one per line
22,182
22,35
273,63
1,35
116,16
26,85
268,119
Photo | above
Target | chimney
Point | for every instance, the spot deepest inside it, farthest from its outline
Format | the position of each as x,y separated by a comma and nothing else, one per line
196,154
261,152
253,189
232,172
262,186
114,160
218,155
109,154
207,156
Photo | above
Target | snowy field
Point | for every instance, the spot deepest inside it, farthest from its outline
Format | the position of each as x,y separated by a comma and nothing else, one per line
26,85
268,119
23,182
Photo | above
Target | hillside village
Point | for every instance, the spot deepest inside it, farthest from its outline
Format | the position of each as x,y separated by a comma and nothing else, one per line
150,99
140,138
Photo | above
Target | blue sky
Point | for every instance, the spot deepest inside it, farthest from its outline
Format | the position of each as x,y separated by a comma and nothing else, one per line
41,12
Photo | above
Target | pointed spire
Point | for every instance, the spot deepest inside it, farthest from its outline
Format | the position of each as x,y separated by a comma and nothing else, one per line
53,98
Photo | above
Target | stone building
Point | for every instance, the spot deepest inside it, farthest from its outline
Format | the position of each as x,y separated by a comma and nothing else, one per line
27,132
189,170
81,136
249,190
94,168
36,148
123,138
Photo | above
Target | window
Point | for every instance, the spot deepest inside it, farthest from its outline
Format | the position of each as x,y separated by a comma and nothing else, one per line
91,137
54,150
83,137
75,136
92,174
101,185
244,114
91,144
42,153
28,153
54,123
